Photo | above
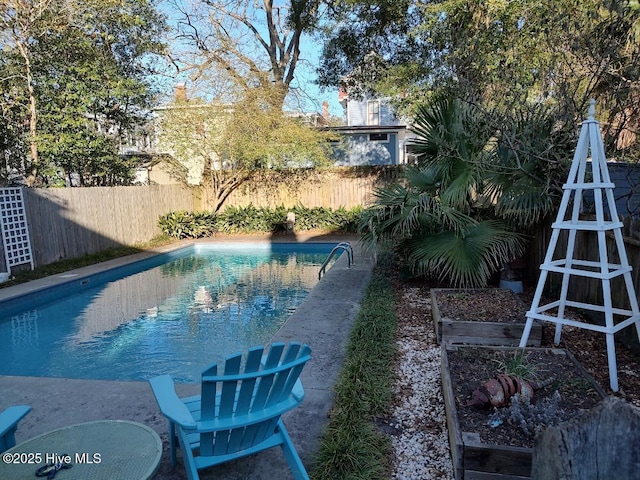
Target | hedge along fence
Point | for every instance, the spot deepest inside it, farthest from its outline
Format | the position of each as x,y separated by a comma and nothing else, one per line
251,219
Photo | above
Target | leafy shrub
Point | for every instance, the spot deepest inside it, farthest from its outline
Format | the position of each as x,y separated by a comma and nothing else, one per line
252,219
327,219
182,224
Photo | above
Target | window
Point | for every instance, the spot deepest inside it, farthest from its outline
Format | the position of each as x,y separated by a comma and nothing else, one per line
378,137
373,112
410,155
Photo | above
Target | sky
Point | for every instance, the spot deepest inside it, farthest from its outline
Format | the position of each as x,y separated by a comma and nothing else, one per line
304,75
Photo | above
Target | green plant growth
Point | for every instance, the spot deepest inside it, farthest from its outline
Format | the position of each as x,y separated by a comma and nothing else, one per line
461,214
251,219
321,218
503,55
518,365
463,297
182,224
75,78
351,448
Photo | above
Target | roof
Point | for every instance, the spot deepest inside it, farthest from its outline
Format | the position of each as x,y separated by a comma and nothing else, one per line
368,128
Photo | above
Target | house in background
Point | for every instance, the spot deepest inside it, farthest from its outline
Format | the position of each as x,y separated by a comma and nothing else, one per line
373,134
186,132
158,169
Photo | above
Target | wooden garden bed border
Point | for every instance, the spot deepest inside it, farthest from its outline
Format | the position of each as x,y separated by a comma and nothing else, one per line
480,332
475,460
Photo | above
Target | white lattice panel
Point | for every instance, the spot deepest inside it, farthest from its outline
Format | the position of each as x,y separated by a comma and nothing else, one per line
15,231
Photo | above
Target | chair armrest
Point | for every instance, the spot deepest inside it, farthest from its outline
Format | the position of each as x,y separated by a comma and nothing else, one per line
298,391
170,404
11,416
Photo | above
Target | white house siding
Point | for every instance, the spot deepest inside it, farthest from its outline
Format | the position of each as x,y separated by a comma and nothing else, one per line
387,117
357,149
357,113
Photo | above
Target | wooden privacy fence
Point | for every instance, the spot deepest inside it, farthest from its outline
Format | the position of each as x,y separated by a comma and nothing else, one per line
347,187
71,222
585,289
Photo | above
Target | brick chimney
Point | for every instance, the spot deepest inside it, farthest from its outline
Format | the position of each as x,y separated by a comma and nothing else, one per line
180,92
325,112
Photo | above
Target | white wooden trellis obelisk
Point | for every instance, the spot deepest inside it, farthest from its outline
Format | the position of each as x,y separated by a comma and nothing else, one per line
615,318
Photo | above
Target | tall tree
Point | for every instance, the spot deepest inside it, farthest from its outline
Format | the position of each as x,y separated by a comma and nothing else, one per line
366,37
23,23
528,70
243,54
12,121
257,43
500,54
228,143
80,70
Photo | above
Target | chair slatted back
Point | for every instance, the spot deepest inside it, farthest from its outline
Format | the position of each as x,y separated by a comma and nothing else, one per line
262,390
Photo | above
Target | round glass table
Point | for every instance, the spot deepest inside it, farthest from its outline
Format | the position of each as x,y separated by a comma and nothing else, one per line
101,450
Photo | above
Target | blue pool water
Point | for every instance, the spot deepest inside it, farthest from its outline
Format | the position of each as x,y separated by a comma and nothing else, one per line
175,313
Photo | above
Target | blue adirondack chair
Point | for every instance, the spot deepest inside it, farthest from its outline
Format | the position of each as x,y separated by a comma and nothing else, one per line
238,412
9,419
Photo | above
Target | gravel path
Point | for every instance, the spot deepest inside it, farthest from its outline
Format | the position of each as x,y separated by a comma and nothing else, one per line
417,423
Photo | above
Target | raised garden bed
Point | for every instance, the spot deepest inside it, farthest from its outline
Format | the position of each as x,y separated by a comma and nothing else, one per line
477,317
497,443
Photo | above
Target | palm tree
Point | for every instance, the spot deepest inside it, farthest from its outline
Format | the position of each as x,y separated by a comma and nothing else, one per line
457,213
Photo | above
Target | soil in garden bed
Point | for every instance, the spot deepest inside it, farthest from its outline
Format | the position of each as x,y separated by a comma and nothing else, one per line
588,347
492,304
471,366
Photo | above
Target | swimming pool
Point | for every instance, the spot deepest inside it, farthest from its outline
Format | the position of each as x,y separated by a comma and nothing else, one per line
174,313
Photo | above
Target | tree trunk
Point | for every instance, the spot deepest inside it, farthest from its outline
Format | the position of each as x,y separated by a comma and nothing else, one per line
600,444
222,183
33,118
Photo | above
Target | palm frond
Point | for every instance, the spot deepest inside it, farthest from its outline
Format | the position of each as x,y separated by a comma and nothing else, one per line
397,213
424,179
465,259
524,207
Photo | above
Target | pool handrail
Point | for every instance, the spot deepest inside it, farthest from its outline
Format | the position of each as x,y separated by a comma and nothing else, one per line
345,246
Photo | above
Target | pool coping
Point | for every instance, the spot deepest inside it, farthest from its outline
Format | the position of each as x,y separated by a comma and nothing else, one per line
323,320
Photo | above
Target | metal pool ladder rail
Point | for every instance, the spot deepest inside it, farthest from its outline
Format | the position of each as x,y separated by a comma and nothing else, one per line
346,246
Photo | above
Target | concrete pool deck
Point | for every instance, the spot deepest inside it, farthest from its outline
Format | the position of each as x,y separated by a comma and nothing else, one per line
323,320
